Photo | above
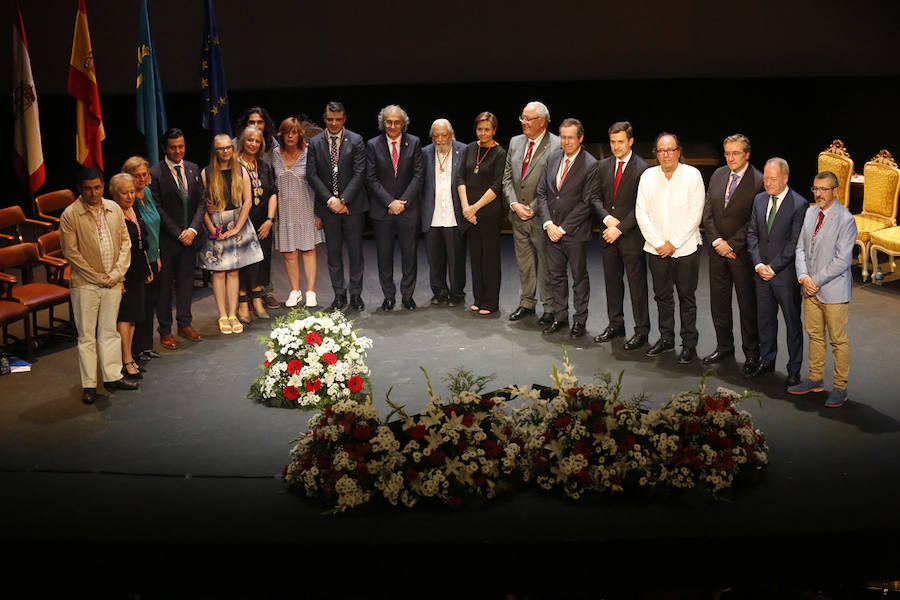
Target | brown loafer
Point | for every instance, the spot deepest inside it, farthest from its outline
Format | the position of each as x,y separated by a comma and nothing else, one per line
270,302
168,342
190,333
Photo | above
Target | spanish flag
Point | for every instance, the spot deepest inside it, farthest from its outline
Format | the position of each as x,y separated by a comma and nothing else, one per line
83,85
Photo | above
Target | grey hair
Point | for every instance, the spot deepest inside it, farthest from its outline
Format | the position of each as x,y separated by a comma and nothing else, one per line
830,176
542,109
119,179
443,122
389,108
782,164
249,129
739,138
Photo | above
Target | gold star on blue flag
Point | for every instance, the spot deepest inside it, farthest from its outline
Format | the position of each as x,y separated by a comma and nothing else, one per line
151,110
214,92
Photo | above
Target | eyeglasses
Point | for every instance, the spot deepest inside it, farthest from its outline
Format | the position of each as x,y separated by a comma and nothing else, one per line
524,119
224,148
667,150
815,189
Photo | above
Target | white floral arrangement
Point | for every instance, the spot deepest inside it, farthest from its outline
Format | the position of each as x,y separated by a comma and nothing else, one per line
312,361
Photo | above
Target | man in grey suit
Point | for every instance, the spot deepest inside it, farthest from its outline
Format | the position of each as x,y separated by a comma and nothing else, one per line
524,162
442,214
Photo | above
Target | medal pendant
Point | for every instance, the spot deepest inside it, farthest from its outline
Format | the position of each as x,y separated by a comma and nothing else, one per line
476,168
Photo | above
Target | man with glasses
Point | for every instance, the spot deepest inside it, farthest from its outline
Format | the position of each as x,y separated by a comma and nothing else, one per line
669,207
524,162
824,255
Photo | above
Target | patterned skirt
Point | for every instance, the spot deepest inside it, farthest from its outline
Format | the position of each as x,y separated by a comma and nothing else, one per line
237,251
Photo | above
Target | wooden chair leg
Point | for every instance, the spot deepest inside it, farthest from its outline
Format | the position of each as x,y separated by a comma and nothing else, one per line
863,260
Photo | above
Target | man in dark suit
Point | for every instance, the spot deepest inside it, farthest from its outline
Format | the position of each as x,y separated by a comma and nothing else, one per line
623,245
729,202
178,193
336,170
772,240
441,215
524,163
566,194
395,172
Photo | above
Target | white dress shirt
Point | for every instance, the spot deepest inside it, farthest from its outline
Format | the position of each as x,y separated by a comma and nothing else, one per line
669,210
443,196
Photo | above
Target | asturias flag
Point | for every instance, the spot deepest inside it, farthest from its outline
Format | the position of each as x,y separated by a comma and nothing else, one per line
28,156
151,110
83,85
213,90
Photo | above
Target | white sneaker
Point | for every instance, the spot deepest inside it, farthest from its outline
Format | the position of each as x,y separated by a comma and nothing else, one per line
311,299
293,298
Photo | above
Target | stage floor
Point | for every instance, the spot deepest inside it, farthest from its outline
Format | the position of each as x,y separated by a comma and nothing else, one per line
188,459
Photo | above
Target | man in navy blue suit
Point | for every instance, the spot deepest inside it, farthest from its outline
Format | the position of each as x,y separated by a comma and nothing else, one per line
772,241
394,177
441,215
336,170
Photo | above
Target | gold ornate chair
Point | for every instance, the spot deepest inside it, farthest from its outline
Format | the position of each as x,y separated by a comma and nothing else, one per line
836,159
879,209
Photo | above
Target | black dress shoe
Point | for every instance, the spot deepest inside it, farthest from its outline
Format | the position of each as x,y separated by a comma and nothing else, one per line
762,368
88,395
520,313
438,299
750,367
659,348
636,341
687,356
792,379
120,384
546,318
577,329
608,334
151,354
356,302
554,327
338,303
717,356
388,304
408,303
454,301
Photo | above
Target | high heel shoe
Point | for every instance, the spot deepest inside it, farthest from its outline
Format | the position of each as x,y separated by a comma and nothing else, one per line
139,367
225,325
125,373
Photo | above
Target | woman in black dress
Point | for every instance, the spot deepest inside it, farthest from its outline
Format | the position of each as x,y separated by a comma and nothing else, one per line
480,183
131,309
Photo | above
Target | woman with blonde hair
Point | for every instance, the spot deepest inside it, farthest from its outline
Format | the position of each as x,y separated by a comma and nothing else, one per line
232,241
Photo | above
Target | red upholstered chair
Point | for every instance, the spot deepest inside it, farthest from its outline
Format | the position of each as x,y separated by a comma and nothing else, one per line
12,219
58,269
35,296
10,312
53,202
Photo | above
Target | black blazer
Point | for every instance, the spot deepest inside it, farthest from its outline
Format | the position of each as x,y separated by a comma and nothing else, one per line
351,172
384,186
570,206
776,248
621,206
171,209
730,223
427,195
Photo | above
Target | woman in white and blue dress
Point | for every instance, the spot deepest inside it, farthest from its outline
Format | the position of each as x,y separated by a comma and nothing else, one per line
232,241
299,229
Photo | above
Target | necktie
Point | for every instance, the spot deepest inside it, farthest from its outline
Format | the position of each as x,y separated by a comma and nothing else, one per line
395,156
772,211
565,171
334,163
618,177
527,158
182,192
818,224
731,186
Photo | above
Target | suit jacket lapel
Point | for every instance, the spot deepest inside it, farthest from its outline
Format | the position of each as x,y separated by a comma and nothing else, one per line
536,152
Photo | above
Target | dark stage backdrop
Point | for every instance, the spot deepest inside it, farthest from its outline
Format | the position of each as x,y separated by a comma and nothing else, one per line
791,75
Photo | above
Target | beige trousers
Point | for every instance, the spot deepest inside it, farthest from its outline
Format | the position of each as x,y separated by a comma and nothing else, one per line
833,317
96,310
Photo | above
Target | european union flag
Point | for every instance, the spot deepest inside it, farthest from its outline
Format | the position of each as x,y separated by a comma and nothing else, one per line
213,90
151,110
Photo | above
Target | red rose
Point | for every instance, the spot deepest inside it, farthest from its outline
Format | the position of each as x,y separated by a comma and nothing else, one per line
418,432
618,409
454,502
449,410
715,404
312,385
355,383
562,422
617,479
594,406
329,358
437,458
491,448
507,431
462,446
411,474
290,392
574,391
313,338
468,420
584,476
582,447
487,402
478,478
691,426
597,427
294,366
346,422
362,432
547,436
267,364
627,442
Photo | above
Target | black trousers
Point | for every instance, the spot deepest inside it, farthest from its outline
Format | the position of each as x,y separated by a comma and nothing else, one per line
738,274
143,328
769,298
683,274
446,261
484,253
620,261
258,273
340,231
176,283
405,232
574,254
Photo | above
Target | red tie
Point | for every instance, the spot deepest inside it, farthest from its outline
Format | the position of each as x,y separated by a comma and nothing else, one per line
395,156
618,177
565,171
818,224
527,158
